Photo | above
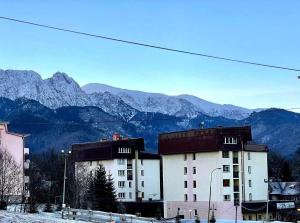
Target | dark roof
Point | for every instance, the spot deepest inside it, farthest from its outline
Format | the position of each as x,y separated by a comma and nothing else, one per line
256,148
147,155
202,140
106,150
284,188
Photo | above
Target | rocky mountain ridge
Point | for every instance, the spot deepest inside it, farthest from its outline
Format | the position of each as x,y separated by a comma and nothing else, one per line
61,90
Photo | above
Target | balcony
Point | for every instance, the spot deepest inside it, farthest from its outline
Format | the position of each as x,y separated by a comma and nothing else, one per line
235,174
236,188
235,160
26,151
26,165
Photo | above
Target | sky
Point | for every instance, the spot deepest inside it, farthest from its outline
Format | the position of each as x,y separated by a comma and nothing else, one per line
261,31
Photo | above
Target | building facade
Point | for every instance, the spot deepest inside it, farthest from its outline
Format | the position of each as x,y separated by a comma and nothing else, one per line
191,159
136,174
14,163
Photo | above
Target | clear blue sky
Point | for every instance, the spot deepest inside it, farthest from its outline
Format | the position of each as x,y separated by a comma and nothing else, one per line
263,31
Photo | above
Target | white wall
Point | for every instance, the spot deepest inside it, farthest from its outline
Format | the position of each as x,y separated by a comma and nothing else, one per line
151,177
173,181
259,172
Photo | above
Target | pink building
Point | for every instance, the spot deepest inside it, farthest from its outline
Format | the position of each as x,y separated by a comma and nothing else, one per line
14,144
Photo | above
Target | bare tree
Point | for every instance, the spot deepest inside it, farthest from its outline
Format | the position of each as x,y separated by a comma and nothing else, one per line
79,184
11,182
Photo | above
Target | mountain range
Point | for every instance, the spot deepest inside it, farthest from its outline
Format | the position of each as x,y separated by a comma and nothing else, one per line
58,112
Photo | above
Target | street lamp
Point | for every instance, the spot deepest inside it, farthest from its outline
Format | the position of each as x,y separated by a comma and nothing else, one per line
267,209
211,173
65,177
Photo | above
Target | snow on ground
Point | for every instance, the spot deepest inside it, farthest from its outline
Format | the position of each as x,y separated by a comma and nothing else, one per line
15,217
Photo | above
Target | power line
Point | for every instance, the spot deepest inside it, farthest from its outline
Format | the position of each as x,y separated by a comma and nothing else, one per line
150,45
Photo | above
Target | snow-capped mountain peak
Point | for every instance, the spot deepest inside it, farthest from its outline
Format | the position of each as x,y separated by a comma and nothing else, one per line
181,105
62,90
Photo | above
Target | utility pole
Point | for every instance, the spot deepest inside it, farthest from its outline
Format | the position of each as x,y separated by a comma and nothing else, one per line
65,177
267,208
209,199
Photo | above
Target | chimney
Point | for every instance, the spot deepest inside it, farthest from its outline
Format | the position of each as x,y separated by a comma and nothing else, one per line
116,136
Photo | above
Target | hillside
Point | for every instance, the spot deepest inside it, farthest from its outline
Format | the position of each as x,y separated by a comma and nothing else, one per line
59,128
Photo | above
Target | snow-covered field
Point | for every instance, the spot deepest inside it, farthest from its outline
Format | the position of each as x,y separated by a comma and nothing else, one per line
15,217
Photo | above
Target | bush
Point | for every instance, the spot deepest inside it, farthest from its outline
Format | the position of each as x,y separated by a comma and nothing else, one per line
3,205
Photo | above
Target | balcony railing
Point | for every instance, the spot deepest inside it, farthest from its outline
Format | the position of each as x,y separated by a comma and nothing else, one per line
235,160
235,174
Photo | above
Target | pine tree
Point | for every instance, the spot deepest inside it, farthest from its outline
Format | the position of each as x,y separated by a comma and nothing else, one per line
286,172
102,192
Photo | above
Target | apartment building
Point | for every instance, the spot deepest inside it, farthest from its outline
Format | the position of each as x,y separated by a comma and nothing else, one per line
136,173
224,156
14,159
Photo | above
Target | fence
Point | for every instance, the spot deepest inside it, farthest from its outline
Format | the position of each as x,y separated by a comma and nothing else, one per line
99,216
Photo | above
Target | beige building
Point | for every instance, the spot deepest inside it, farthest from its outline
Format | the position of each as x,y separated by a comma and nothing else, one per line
190,159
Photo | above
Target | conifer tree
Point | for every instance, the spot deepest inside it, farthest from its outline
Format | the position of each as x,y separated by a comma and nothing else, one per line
101,194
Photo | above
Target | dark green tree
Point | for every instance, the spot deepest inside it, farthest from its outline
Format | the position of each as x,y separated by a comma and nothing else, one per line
286,172
296,164
275,164
101,194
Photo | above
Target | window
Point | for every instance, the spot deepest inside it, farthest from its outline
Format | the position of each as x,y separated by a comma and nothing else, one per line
91,163
194,156
129,184
226,183
142,183
130,195
250,196
225,154
195,197
142,172
194,184
121,161
230,140
226,168
91,173
250,183
185,197
185,184
129,163
185,170
124,150
249,156
121,195
129,175
121,184
142,162
249,169
226,197
195,211
194,170
259,217
184,157
143,195
121,173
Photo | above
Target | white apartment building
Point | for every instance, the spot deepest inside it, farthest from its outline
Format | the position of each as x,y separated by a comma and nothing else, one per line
190,159
136,174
